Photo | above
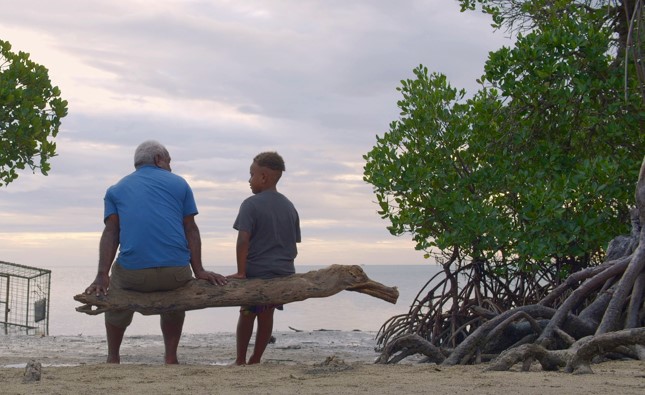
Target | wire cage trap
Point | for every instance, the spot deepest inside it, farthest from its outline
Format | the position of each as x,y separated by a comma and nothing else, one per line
24,299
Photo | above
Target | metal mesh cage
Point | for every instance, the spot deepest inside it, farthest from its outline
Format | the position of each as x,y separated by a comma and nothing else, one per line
24,299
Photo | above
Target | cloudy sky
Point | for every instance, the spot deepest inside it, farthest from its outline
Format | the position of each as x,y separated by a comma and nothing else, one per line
218,81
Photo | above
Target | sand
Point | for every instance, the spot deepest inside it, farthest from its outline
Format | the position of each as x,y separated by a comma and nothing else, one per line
320,362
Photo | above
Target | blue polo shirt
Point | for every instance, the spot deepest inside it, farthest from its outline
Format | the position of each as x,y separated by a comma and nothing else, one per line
151,204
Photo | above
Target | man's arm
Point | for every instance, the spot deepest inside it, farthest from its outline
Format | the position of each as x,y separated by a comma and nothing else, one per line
107,251
195,247
241,253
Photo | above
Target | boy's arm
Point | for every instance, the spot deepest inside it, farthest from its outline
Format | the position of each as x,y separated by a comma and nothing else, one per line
241,253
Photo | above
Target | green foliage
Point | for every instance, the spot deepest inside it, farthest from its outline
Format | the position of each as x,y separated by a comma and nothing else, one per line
30,115
538,167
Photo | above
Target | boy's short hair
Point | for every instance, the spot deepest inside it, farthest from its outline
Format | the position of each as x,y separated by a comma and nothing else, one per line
271,160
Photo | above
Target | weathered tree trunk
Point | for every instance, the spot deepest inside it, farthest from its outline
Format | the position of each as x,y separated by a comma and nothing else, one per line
610,321
577,358
199,294
411,344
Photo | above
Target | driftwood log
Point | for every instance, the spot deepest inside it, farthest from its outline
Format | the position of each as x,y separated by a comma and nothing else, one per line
199,294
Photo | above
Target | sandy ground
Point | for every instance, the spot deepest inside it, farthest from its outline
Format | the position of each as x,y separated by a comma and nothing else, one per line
325,362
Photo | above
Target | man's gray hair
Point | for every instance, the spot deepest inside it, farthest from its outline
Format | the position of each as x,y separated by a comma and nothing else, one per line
147,151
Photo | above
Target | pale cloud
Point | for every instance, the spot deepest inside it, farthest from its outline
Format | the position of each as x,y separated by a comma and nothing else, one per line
218,82
319,223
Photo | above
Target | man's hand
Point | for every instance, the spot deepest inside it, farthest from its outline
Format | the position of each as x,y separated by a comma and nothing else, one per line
100,285
211,277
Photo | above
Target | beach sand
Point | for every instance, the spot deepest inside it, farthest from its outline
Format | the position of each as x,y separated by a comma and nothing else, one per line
319,362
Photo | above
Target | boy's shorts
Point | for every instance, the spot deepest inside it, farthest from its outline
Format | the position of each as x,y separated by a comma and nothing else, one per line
260,308
146,280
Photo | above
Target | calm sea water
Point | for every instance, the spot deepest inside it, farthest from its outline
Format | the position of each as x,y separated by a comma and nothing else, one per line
344,311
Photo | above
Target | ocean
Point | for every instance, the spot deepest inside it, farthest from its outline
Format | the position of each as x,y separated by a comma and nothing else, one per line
345,311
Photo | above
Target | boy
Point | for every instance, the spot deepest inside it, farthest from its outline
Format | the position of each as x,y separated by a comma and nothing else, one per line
268,230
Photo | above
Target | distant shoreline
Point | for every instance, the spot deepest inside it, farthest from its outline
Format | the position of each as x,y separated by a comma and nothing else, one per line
212,348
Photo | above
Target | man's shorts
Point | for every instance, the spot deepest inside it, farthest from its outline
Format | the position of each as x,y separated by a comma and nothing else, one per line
146,280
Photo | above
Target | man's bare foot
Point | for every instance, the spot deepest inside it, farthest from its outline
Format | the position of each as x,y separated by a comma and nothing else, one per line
113,359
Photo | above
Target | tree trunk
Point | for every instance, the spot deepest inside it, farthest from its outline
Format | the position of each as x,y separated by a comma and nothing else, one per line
199,294
610,321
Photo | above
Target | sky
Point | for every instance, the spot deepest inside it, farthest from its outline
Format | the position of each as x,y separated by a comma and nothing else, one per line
217,82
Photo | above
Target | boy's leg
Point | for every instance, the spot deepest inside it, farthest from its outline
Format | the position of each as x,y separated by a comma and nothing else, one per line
243,335
263,335
171,328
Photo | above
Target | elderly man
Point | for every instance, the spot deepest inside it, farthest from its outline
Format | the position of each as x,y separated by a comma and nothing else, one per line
150,217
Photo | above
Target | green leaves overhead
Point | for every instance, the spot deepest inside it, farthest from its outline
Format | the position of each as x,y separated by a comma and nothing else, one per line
30,115
538,166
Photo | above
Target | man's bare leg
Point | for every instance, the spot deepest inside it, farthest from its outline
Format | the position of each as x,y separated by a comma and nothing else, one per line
171,330
114,339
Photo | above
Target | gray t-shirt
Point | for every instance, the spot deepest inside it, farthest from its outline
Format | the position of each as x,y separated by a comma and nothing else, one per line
274,226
